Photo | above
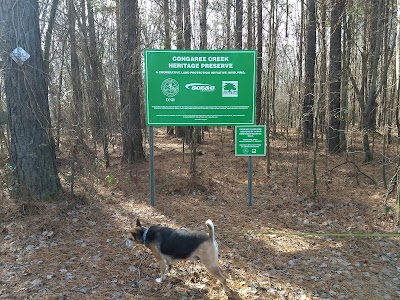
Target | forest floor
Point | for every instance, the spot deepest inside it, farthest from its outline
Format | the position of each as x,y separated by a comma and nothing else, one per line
74,248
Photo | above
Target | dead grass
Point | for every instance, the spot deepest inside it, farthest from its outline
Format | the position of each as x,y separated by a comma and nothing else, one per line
73,248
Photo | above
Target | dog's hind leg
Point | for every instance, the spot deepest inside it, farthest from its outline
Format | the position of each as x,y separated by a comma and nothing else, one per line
216,271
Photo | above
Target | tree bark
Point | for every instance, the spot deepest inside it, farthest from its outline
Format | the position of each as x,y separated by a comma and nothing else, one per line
132,148
167,43
250,26
335,66
47,43
239,24
32,145
180,44
398,69
203,25
376,38
77,97
187,29
308,103
99,126
259,62
179,25
167,25
228,24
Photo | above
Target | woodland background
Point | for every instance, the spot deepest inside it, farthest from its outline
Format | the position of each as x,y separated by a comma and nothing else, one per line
73,133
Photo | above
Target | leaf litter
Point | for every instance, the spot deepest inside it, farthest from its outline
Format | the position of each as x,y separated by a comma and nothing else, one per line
74,248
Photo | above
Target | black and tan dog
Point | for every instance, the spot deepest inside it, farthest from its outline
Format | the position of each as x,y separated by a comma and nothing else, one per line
169,244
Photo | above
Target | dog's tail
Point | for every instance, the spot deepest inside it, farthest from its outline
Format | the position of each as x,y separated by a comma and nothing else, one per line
211,231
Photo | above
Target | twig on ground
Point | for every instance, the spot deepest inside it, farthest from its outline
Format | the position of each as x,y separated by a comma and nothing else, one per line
358,170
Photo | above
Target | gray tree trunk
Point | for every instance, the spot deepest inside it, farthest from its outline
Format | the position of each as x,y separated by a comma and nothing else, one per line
167,43
228,24
77,97
180,44
99,126
259,118
203,25
335,66
308,103
132,148
32,144
239,24
250,26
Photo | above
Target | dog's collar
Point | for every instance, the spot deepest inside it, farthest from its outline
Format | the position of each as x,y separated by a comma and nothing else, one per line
144,236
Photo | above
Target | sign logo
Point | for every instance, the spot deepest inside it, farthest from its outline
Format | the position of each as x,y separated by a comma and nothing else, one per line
230,88
202,87
170,87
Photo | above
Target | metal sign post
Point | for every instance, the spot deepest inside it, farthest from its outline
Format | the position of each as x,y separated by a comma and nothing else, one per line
250,182
198,88
151,166
250,141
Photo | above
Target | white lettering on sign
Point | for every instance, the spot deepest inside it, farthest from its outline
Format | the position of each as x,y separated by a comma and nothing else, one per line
217,66
188,58
200,58
202,87
218,58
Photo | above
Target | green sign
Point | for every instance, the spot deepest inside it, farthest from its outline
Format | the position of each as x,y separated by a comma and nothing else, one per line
250,140
200,87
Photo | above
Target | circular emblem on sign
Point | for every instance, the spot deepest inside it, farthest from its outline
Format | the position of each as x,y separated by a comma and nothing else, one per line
170,87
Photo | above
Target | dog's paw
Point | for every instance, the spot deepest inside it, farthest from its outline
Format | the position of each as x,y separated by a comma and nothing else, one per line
159,280
129,243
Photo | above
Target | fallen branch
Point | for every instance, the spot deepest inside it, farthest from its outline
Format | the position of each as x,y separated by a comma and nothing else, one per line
358,170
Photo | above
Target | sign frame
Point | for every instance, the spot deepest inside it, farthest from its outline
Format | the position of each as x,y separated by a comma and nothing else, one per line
200,87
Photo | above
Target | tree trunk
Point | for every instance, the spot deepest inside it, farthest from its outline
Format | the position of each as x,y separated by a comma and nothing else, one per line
300,90
228,24
187,29
323,73
203,25
32,145
47,43
180,44
99,126
347,46
203,45
272,66
259,61
77,97
167,44
308,102
239,24
58,114
376,37
398,69
335,65
185,132
250,26
179,25
132,148
167,26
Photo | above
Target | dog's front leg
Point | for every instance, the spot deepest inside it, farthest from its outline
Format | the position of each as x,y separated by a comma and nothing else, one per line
164,268
161,261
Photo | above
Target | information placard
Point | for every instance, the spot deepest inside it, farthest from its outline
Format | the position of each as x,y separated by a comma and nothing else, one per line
200,87
250,140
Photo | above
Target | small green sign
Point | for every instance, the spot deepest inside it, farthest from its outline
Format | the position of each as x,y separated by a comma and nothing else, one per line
200,87
250,140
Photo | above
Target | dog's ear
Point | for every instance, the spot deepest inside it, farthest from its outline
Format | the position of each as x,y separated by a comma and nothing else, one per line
138,223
